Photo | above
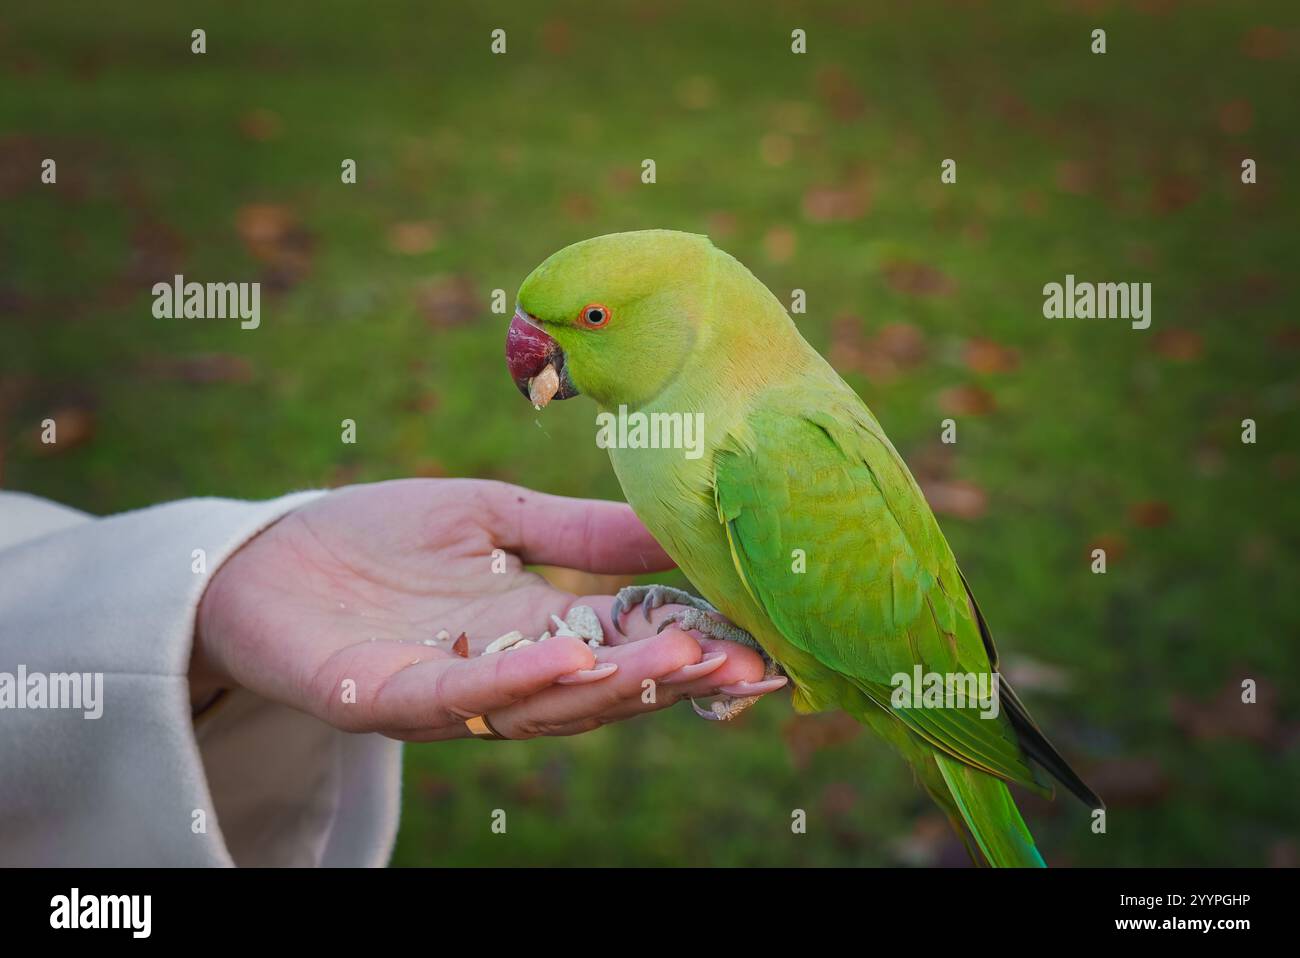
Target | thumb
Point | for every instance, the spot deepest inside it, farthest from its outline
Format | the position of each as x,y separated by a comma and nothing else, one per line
589,534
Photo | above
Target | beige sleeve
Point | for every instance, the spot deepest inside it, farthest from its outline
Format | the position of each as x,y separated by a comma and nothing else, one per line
97,618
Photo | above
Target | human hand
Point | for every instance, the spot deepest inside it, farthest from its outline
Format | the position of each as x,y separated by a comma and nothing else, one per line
348,586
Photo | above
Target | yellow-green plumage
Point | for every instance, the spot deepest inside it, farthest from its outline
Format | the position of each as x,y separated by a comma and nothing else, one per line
794,464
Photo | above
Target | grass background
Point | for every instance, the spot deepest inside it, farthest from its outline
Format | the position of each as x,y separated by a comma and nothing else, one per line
821,172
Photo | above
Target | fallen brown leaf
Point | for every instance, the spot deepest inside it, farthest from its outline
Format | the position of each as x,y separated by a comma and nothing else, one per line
1236,117
157,253
932,461
547,786
13,302
201,368
848,346
1208,457
1288,337
986,356
955,497
1285,465
721,224
1173,191
1264,43
429,469
805,735
837,204
557,38
839,799
1073,176
1151,514
1115,546
434,788
779,244
1033,202
260,125
902,343
931,842
413,238
1179,345
274,237
1227,716
578,206
1129,782
917,279
343,474
447,301
776,149
896,347
426,400
697,92
20,158
839,92
621,178
796,117
263,225
966,400
73,426
1284,853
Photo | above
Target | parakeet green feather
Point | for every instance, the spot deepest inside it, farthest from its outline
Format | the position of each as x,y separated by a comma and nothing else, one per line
800,521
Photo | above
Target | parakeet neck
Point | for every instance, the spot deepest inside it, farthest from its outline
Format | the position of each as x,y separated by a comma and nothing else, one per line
746,342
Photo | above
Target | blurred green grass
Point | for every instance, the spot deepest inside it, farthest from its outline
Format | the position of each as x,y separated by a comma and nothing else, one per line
821,173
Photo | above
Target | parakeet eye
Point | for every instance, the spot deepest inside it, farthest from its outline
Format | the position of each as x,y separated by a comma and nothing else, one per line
594,316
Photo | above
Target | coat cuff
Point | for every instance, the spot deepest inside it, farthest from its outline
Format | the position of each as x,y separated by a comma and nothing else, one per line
257,784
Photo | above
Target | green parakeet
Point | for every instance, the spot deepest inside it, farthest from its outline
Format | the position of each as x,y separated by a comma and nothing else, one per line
794,516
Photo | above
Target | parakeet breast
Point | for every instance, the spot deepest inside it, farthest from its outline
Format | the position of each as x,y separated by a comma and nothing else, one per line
672,492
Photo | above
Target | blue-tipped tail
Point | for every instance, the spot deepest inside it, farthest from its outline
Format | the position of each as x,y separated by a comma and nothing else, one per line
990,814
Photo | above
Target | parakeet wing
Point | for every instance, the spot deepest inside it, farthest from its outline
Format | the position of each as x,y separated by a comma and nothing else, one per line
881,592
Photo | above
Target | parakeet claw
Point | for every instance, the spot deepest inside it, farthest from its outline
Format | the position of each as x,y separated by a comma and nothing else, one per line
651,597
736,698
723,709
700,616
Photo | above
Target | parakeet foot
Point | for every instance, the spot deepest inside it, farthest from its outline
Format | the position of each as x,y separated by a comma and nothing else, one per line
650,597
729,705
737,698
707,623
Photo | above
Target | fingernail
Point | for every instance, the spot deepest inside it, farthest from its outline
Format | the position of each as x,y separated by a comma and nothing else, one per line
754,688
688,673
583,676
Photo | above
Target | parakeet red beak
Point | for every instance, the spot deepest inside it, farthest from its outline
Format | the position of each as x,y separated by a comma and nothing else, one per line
536,361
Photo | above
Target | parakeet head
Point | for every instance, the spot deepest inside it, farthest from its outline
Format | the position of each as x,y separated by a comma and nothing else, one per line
614,317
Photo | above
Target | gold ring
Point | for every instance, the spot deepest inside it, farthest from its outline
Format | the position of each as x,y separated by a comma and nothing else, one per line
480,727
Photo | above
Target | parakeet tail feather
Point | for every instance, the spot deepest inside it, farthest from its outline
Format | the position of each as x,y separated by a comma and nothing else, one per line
989,812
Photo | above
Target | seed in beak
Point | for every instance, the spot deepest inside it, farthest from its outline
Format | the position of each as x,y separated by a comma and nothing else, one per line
543,386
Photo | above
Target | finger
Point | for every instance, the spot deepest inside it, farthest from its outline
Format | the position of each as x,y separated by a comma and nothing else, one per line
689,674
443,733
565,710
742,690
630,699
739,674
666,693
743,663
589,534
396,686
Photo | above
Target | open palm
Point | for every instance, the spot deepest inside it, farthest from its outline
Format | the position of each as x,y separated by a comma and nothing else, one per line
329,610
